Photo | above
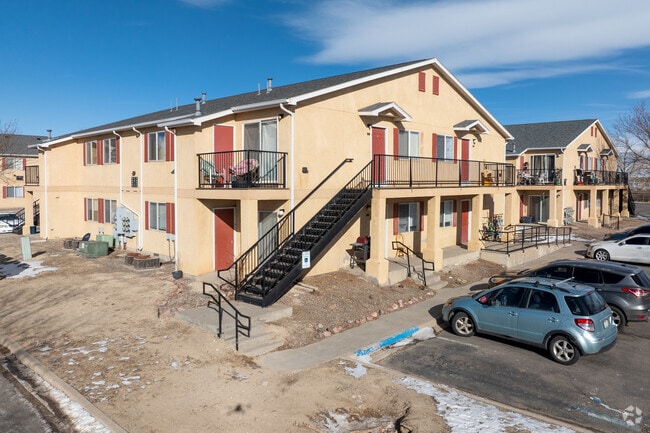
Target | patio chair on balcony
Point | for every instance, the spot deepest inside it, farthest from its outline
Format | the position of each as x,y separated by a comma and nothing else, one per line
244,174
211,176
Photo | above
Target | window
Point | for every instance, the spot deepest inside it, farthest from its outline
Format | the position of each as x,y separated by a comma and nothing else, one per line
261,136
587,276
14,163
109,151
92,209
445,147
545,301
15,192
109,211
560,272
408,217
156,146
409,143
158,216
446,213
90,152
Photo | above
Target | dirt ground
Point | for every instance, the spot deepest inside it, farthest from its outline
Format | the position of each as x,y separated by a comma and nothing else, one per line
109,331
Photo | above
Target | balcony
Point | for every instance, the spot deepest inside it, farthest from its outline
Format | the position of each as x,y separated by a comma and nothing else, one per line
539,177
242,169
599,177
415,172
31,175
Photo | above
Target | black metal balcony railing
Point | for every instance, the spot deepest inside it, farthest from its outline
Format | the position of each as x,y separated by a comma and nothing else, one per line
417,172
599,177
539,177
242,169
31,175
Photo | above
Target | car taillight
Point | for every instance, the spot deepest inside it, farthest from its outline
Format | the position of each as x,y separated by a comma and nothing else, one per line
586,324
639,293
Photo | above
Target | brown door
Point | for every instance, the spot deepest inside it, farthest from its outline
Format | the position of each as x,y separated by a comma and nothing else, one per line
378,148
464,221
224,238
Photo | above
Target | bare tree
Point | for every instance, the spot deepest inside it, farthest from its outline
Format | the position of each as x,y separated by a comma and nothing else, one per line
8,132
633,143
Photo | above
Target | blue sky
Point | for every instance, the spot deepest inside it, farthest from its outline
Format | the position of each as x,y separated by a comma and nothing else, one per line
68,65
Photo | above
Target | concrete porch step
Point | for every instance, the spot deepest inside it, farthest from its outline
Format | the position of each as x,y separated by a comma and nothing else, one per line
398,271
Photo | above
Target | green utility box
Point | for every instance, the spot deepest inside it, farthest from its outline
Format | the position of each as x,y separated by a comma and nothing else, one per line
93,248
109,239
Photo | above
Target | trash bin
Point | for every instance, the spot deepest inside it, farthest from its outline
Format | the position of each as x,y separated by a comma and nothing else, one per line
32,230
527,219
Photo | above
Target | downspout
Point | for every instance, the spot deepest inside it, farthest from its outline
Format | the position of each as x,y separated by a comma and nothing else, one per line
175,198
47,219
141,143
292,183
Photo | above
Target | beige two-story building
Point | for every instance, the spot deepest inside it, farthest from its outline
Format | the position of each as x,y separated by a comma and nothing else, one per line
280,181
567,171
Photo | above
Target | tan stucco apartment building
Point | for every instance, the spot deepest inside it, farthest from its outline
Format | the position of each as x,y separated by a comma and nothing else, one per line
399,153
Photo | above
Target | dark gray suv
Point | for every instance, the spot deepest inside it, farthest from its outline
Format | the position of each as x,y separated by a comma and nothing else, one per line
626,288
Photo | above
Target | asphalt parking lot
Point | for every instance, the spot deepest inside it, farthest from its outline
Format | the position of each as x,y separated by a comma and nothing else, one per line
605,392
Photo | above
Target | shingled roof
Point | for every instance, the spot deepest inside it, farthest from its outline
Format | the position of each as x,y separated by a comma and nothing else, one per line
17,145
291,94
548,135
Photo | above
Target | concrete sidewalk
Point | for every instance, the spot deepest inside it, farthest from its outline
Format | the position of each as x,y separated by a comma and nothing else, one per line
390,328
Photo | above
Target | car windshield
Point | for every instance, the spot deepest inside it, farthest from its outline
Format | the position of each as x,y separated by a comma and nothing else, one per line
586,305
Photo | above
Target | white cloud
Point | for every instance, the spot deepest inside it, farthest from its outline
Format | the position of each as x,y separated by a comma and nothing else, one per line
641,94
466,35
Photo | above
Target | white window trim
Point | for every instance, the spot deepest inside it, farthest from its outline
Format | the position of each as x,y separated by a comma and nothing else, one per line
444,215
161,216
157,155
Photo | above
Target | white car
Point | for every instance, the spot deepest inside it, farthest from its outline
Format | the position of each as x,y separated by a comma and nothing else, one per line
635,249
9,222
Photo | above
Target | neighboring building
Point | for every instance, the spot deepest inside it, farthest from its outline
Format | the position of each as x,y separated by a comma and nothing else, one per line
18,169
567,171
405,152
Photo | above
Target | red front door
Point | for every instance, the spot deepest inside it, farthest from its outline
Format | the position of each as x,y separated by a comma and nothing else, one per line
378,148
464,221
224,238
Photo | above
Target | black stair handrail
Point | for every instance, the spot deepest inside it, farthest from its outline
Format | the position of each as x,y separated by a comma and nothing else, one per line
241,328
399,246
270,242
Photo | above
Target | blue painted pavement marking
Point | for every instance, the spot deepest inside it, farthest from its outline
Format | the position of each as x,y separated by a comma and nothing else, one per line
387,342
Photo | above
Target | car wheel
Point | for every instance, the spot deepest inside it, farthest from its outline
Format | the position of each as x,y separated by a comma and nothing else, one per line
463,325
601,255
563,350
618,317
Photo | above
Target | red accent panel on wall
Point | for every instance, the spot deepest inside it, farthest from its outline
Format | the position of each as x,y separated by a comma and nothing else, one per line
395,218
435,84
100,211
84,152
422,81
455,149
145,142
24,163
100,152
169,146
3,163
434,145
4,192
171,222
396,144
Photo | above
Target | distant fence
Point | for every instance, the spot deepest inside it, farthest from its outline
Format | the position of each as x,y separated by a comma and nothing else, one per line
641,196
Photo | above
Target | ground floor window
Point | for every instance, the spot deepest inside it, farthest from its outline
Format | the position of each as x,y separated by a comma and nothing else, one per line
92,209
157,216
408,217
446,213
109,211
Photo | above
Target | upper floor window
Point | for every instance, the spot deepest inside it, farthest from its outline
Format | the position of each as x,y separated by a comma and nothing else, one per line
109,149
14,163
14,192
90,152
409,143
156,146
445,147
261,136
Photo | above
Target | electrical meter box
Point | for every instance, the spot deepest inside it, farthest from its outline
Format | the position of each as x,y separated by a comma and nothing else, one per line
126,222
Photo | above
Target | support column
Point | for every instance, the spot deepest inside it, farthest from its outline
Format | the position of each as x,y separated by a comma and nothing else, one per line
433,250
616,210
474,243
377,265
248,219
592,221
554,214
625,211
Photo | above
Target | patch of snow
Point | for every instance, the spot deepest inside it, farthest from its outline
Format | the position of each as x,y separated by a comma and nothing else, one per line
358,371
466,415
425,333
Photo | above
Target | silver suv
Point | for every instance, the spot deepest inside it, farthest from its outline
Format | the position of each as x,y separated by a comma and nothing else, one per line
626,288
